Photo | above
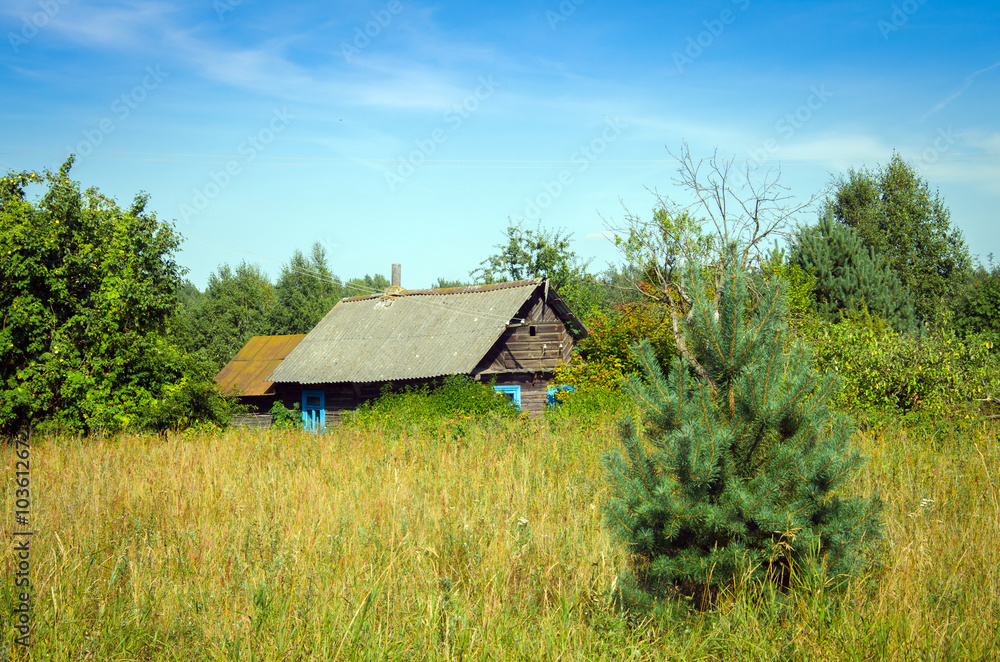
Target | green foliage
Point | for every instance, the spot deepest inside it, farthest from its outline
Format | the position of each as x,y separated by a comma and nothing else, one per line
589,404
236,307
359,287
306,291
799,285
427,405
978,312
740,473
284,418
662,246
899,218
538,253
88,289
604,357
851,276
887,375
444,283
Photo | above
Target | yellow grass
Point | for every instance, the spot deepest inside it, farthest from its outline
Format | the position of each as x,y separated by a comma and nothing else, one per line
378,545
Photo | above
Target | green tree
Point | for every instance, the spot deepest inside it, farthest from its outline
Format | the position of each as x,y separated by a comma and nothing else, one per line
359,287
527,253
539,253
236,306
741,472
979,309
444,283
306,291
87,290
180,325
851,276
729,208
898,216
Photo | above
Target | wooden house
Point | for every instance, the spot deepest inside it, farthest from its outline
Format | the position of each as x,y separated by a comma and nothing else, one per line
245,377
515,332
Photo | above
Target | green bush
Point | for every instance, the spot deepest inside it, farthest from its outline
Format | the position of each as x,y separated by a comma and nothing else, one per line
282,417
590,403
978,311
427,405
888,374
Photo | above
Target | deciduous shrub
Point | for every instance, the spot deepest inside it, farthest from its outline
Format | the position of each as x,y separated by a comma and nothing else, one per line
889,374
603,358
420,407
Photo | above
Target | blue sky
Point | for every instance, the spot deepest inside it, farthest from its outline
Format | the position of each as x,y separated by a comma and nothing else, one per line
410,132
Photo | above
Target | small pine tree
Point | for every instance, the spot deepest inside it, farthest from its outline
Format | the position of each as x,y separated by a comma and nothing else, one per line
851,276
741,470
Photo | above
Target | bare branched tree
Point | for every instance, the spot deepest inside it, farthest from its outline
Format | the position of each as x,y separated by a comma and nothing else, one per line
727,208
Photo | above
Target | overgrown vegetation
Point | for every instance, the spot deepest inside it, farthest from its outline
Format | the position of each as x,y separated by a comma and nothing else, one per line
88,289
363,545
448,407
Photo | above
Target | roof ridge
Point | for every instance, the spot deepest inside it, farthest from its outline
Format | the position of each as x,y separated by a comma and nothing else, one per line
461,289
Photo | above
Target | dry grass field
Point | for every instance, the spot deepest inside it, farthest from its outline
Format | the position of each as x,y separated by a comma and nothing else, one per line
468,543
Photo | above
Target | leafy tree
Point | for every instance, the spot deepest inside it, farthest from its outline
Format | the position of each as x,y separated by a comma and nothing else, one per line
236,306
849,275
741,472
899,217
729,208
539,253
530,253
603,358
359,287
87,289
306,291
799,285
979,309
180,325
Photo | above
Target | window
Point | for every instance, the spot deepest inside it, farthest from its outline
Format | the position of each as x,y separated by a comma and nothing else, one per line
531,330
554,391
313,411
513,393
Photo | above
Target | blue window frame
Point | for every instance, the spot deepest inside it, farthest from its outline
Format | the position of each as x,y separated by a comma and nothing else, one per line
554,391
313,410
513,393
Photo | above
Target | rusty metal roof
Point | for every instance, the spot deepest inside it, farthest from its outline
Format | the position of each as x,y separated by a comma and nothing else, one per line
408,334
247,373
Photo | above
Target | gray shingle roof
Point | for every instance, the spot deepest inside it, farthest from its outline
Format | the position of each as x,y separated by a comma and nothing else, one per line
414,334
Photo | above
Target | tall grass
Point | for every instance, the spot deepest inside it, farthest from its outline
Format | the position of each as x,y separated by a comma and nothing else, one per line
374,543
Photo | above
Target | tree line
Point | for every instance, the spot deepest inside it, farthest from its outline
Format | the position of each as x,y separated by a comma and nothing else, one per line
102,332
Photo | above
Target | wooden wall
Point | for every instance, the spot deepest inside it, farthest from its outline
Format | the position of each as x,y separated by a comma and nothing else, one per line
541,343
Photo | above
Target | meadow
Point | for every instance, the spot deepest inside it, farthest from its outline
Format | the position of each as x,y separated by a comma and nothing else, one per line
464,541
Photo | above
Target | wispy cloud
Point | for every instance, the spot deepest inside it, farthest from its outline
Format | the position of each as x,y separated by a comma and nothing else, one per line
966,84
